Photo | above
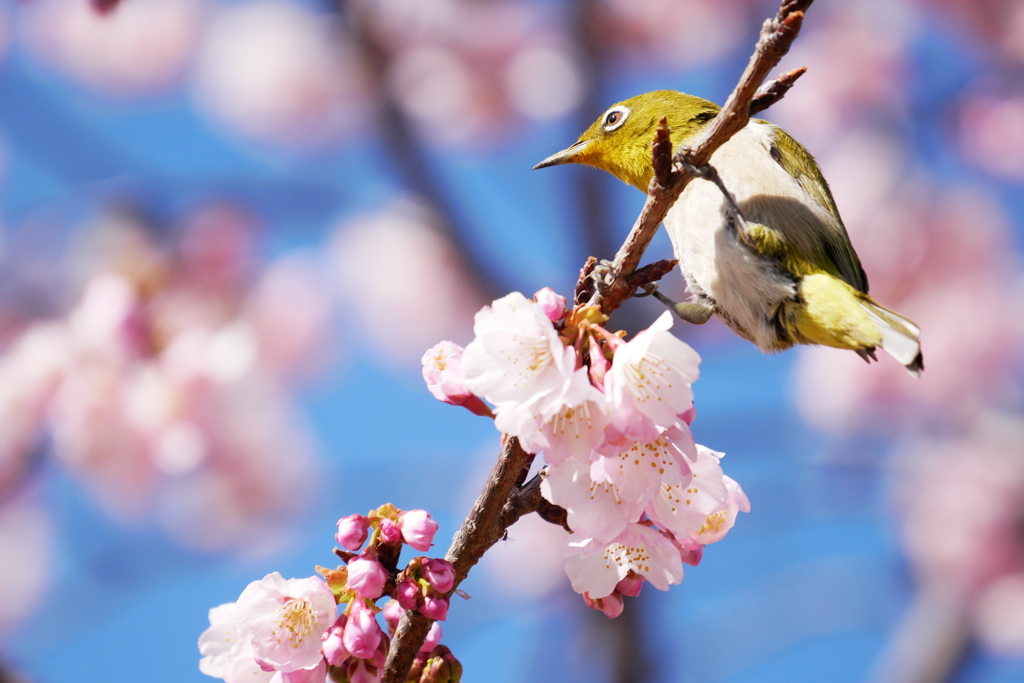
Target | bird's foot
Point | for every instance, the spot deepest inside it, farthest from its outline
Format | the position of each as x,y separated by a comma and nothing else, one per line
693,313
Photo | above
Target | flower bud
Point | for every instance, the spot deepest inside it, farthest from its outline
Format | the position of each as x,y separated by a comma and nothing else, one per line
367,576
418,529
433,638
631,585
393,612
333,647
439,574
551,303
408,594
390,533
598,364
362,632
442,371
351,532
434,607
611,605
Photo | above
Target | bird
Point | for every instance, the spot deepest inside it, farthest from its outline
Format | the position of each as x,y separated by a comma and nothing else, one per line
759,238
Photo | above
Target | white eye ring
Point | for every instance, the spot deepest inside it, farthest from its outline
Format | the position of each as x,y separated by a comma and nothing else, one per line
615,117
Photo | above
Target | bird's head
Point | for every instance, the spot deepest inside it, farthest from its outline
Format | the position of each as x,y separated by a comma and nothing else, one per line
620,140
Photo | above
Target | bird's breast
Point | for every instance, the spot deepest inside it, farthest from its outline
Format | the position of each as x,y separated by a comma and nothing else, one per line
747,288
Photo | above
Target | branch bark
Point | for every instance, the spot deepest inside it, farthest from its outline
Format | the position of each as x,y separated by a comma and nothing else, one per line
777,35
484,526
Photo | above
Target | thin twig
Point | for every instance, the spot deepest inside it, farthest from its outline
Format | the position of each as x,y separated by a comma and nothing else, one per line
777,35
484,526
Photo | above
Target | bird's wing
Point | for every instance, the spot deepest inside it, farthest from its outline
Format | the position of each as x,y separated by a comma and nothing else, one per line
799,164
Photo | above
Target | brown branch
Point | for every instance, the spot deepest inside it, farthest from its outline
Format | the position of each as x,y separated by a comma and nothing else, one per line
774,90
483,527
777,35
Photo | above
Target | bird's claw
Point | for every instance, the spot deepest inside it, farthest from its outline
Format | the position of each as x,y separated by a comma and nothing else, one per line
693,313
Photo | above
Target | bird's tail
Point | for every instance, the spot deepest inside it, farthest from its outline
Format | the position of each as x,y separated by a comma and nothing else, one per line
901,338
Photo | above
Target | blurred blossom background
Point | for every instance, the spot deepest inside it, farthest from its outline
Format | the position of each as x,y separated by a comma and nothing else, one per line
230,228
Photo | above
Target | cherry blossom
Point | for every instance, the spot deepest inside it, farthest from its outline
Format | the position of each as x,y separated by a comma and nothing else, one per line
595,567
226,653
285,619
649,382
517,358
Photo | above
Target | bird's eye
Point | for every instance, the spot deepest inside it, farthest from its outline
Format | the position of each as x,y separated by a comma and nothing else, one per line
615,117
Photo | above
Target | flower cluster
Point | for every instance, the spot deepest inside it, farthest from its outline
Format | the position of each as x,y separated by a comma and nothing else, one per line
612,419
291,631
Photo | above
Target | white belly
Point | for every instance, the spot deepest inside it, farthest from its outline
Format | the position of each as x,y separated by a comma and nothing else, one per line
746,288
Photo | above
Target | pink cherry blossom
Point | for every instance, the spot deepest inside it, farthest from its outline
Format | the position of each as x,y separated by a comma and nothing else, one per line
517,357
226,653
362,632
442,371
640,471
595,567
595,509
367,576
685,508
352,532
285,619
418,529
570,425
649,382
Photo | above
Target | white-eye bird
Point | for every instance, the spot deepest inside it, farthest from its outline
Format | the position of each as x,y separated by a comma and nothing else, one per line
773,261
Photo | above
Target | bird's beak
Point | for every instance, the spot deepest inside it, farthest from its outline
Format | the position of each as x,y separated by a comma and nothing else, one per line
568,155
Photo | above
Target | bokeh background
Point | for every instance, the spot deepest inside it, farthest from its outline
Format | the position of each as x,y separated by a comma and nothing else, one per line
230,228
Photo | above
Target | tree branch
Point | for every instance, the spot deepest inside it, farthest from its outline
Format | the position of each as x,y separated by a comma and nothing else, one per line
777,35
484,526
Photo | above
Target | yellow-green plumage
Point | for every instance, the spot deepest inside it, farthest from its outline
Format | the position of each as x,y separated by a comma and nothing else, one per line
787,273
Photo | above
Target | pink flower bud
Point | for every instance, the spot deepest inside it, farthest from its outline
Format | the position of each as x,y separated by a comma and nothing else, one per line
434,608
351,532
408,594
393,612
442,371
390,533
611,605
631,585
362,633
693,556
361,671
367,576
333,648
598,364
433,637
439,574
551,303
418,529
